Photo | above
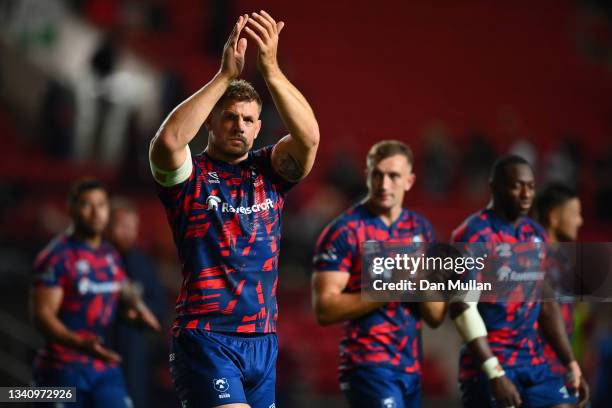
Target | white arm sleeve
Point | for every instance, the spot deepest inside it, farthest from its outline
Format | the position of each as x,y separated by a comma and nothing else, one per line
469,324
169,178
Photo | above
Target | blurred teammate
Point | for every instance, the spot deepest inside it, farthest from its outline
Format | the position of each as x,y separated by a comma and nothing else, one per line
224,208
558,210
503,364
78,284
133,344
380,353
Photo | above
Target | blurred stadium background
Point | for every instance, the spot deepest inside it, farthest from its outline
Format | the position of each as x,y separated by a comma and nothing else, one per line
84,84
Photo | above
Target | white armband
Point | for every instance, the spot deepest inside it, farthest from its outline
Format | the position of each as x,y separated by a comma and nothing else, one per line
169,178
469,324
492,368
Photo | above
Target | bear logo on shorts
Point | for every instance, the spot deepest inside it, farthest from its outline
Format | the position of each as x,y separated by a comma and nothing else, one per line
221,384
388,402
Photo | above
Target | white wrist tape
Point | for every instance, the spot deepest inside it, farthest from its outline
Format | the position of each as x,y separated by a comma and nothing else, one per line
469,324
492,368
169,178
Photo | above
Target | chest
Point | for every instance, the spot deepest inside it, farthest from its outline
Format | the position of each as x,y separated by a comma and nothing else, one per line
374,237
514,259
238,203
94,274
406,232
516,246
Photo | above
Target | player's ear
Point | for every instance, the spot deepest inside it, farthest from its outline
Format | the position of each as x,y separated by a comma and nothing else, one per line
258,128
554,218
411,178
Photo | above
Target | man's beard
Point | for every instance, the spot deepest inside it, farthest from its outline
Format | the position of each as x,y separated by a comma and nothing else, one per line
237,152
87,231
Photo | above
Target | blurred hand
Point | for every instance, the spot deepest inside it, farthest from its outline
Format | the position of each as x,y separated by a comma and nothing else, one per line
505,393
93,347
264,30
143,315
232,61
578,383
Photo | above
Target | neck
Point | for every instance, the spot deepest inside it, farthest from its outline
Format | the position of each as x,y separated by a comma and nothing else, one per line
387,215
93,241
514,220
221,156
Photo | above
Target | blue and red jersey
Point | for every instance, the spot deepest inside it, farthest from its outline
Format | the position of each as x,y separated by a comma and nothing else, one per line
226,223
512,326
567,313
91,280
391,335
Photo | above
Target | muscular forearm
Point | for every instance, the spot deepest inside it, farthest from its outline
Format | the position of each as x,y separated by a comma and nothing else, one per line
336,308
551,322
293,108
184,122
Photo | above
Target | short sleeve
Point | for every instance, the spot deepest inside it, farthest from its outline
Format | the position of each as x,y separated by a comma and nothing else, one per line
468,232
50,270
336,249
174,197
263,159
428,231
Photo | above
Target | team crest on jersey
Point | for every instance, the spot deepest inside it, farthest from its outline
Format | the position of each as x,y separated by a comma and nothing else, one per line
388,403
257,181
213,177
213,202
221,385
417,238
82,267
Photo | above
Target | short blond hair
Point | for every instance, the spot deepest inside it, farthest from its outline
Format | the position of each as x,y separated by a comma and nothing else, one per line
388,148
